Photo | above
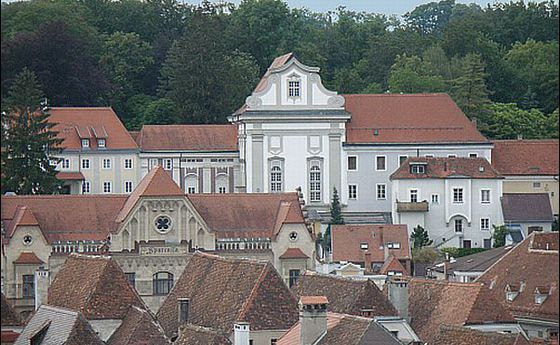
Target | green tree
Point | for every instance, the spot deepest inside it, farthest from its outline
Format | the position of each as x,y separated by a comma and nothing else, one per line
28,142
425,255
469,90
409,75
419,237
336,211
160,112
507,121
499,235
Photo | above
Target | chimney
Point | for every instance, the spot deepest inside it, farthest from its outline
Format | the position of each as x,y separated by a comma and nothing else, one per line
41,286
182,312
241,333
312,318
367,262
446,266
398,295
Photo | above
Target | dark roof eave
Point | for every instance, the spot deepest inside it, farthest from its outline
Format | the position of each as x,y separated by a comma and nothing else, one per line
446,143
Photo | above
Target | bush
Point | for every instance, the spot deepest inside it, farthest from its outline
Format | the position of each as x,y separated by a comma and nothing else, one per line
459,252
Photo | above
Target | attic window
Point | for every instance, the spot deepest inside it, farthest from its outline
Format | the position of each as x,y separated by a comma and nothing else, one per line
294,86
417,169
510,295
85,143
393,245
101,143
364,245
27,240
541,293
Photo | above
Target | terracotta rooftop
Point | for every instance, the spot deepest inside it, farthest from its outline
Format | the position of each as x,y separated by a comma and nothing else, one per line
223,291
392,264
408,118
346,296
526,157
9,315
99,290
347,242
440,167
530,264
435,303
191,334
205,138
92,123
527,207
70,176
28,258
138,327
449,335
293,253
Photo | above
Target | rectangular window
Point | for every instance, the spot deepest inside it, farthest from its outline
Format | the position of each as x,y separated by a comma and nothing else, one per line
315,182
414,195
417,169
487,243
352,191
153,162
380,163
294,275
85,163
107,187
293,88
352,163
393,245
191,190
435,198
128,187
458,225
128,163
66,163
473,155
381,191
28,286
484,223
276,176
532,229
402,159
429,156
167,164
458,195
85,143
536,185
131,277
485,196
86,187
364,245
467,244
451,156
106,163
222,190
101,143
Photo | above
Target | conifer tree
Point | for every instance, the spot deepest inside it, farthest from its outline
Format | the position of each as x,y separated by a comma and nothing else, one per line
336,212
420,237
28,143
469,90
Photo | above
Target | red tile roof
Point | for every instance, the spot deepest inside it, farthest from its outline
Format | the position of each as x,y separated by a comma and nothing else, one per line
440,167
99,288
94,123
392,264
526,157
347,240
9,317
435,303
531,265
28,258
407,118
450,335
293,253
188,138
8,337
198,335
138,327
70,176
223,291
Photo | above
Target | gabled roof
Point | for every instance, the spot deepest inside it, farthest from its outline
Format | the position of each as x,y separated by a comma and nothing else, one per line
346,296
28,258
191,334
23,216
526,157
532,263
205,138
408,118
435,303
99,288
9,315
453,335
347,240
93,123
223,291
527,207
247,214
393,264
60,326
70,176
442,167
345,329
293,253
138,327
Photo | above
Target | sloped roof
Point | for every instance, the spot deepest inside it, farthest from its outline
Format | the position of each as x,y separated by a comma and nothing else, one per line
99,288
9,315
247,214
22,216
435,303
138,327
205,138
28,258
346,296
347,240
408,118
343,329
478,262
98,122
293,253
191,334
526,157
527,207
453,335
92,216
393,264
223,291
442,167
62,326
530,264
70,176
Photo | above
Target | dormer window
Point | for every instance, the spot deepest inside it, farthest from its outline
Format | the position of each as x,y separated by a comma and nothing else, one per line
511,292
417,169
294,88
364,245
85,143
541,293
393,245
101,143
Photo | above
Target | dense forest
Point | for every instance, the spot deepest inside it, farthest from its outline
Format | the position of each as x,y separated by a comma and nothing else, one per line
161,61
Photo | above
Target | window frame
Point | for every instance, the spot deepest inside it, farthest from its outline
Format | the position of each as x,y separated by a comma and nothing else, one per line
435,196
482,201
106,160
292,278
165,165
84,184
377,162
377,190
353,195
131,163
294,91
401,157
101,140
28,286
473,155
132,281
64,166
85,143
125,185
315,184
162,286
84,167
417,169
482,220
110,184
355,163
461,194
410,194
457,221
276,175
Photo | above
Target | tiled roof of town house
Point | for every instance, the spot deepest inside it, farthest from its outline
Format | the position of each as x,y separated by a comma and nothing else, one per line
205,138
293,253
393,264
347,240
99,288
407,118
477,262
343,329
197,335
526,157
529,265
442,167
247,214
28,258
60,326
223,291
92,216
92,123
346,296
453,335
527,207
138,327
70,176
9,317
23,216
435,303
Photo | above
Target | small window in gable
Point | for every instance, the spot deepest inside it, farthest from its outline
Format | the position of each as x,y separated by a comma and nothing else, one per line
364,245
85,143
417,169
294,87
101,143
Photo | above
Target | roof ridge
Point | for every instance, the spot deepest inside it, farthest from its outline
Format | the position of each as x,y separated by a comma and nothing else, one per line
97,283
248,302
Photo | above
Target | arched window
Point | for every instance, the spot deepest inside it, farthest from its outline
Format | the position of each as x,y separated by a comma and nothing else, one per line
315,182
163,282
276,177
191,184
222,183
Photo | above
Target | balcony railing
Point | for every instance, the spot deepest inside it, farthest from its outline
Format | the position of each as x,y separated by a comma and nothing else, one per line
421,206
